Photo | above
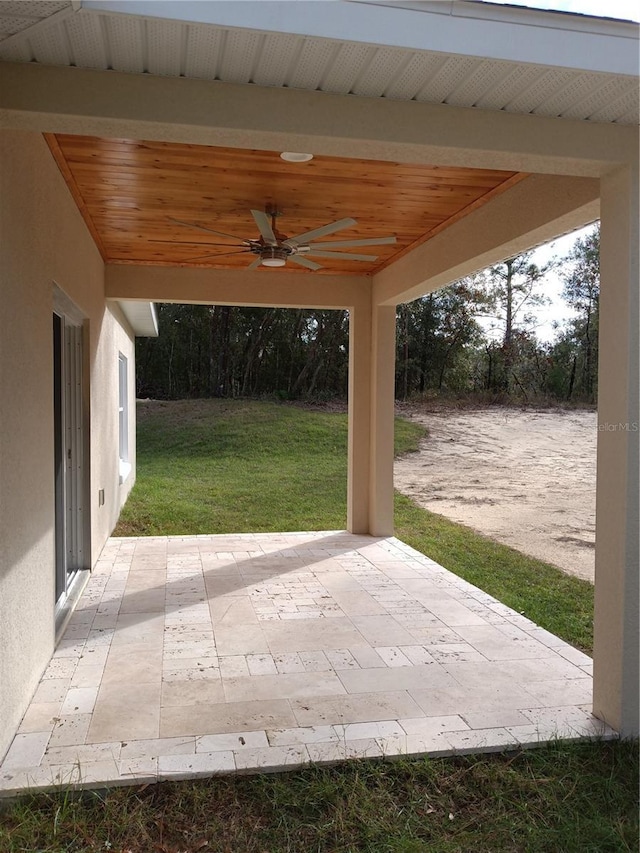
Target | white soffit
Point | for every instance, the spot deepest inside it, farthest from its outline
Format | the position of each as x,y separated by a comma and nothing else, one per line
467,54
142,318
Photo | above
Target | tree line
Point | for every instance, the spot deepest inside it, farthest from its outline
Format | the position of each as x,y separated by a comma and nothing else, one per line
476,337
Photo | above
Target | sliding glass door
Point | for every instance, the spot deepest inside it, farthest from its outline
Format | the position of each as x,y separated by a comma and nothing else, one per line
68,453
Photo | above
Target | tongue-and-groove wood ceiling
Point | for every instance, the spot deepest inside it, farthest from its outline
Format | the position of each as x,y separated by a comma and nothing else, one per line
129,191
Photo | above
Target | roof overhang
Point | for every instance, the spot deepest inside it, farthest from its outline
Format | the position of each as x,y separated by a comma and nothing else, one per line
141,316
461,54
457,27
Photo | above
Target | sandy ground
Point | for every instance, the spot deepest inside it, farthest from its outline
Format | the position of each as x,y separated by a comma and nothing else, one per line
527,479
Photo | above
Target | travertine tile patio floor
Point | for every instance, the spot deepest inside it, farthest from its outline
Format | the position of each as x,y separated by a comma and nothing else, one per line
191,656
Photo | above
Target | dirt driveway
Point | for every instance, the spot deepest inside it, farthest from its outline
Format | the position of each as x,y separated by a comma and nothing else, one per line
527,479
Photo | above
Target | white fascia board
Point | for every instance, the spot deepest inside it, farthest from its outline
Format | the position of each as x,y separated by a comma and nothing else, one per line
512,13
141,316
465,29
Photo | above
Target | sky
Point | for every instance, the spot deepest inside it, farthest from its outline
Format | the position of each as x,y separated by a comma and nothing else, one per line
628,10
557,311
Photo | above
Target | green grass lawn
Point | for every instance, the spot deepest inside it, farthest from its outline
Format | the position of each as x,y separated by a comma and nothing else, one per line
213,466
217,466
559,799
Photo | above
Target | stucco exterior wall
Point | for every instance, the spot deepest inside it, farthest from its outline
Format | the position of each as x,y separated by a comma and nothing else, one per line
109,337
44,242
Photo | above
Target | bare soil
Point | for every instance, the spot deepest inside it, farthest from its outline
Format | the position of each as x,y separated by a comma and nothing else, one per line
524,478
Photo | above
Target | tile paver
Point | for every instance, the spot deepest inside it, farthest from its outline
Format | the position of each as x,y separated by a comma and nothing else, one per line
191,656
223,717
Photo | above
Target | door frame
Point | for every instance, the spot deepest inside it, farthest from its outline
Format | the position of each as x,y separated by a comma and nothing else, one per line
72,527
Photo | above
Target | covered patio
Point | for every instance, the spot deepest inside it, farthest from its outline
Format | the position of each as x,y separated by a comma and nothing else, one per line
213,654
122,130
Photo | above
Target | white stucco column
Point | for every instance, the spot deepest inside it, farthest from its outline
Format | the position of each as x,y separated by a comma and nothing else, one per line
383,361
359,418
372,331
616,659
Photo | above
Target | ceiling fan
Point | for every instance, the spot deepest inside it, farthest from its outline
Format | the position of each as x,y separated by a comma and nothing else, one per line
274,249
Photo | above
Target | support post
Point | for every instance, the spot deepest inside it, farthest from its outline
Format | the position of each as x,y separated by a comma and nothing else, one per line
359,418
371,419
383,359
616,659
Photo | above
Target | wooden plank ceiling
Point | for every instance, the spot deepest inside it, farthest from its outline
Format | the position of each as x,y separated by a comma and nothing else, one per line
129,191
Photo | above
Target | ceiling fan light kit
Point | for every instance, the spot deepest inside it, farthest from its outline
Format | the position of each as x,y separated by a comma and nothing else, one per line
274,249
272,256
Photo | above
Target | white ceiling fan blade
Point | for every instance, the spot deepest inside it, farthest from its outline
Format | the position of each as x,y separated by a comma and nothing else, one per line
255,264
264,227
320,232
208,230
347,256
367,241
298,259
